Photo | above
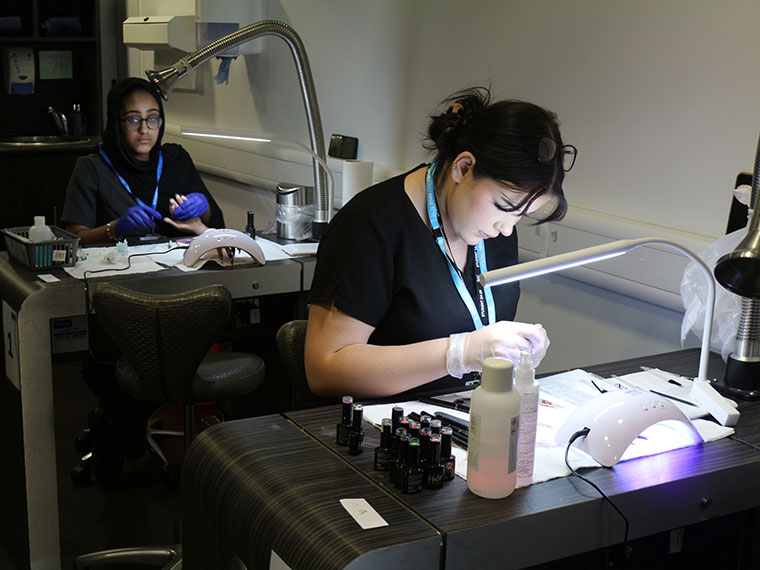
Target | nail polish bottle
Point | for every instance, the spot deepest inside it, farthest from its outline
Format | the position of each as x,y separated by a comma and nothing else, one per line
425,421
356,433
434,471
384,452
411,477
435,427
395,444
424,446
447,458
399,464
396,414
344,427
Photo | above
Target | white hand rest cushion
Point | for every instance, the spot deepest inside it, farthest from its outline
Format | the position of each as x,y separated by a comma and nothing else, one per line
616,418
212,239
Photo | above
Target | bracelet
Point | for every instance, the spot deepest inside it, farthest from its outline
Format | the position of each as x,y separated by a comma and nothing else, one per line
112,237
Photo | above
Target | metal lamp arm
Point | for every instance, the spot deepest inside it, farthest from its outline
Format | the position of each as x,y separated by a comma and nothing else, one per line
166,78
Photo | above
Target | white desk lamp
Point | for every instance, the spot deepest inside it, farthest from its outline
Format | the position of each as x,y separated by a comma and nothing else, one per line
165,79
702,391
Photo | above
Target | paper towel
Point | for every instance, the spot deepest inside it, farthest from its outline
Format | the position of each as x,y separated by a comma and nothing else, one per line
357,175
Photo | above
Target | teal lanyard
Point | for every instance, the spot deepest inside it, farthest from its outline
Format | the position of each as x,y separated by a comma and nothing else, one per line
159,168
485,296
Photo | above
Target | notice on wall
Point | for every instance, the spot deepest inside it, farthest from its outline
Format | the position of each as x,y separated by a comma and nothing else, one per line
55,64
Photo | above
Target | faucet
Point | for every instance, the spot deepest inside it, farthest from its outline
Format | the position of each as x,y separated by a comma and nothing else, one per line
60,120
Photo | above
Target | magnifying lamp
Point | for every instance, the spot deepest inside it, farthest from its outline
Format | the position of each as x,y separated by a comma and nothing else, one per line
702,390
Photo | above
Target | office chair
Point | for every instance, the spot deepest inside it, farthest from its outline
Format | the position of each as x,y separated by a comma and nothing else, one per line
165,342
291,338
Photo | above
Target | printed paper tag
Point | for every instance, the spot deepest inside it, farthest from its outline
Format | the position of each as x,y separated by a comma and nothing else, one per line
363,513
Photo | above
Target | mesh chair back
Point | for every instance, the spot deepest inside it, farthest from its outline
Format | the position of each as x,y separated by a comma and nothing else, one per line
163,337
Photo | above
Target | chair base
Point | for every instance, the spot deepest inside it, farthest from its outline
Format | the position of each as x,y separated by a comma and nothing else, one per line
169,556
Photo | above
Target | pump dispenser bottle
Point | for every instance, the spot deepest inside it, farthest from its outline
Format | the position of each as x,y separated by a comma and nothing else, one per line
494,430
526,385
40,231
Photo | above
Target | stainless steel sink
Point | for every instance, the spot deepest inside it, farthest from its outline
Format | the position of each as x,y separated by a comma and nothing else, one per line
45,140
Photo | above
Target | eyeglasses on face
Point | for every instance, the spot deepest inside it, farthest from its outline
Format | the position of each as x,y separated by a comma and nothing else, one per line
547,152
133,122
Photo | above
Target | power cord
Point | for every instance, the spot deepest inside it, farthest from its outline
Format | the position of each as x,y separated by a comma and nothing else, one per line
582,433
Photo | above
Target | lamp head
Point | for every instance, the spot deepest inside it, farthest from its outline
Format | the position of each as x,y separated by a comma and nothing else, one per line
165,79
739,271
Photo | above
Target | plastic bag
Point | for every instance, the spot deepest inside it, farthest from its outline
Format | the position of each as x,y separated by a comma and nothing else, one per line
298,220
728,305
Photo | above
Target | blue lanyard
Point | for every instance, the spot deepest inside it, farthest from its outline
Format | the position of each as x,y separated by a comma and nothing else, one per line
485,296
159,168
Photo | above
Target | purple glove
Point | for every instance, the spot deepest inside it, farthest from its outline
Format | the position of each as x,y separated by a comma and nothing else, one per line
136,217
194,207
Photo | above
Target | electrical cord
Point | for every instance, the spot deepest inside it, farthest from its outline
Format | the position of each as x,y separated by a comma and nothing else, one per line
582,433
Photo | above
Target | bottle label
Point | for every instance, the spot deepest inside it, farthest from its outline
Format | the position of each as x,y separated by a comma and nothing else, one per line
473,442
514,431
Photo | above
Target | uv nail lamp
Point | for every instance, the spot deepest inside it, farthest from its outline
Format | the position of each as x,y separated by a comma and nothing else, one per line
619,418
211,240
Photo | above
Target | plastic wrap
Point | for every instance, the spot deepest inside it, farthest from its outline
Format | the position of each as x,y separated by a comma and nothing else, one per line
728,306
294,222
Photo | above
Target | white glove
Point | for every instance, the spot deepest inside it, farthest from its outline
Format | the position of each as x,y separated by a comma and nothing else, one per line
467,351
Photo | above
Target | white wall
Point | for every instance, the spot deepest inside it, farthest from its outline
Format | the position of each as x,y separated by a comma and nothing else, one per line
659,97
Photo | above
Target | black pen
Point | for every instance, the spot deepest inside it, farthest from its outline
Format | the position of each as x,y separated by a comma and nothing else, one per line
673,398
453,420
445,404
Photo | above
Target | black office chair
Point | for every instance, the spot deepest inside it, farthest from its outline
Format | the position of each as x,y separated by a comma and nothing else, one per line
165,341
291,338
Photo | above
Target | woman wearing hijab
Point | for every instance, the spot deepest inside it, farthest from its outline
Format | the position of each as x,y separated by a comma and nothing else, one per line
135,185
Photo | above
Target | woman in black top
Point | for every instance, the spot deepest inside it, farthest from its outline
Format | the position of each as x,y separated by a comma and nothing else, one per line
135,185
395,304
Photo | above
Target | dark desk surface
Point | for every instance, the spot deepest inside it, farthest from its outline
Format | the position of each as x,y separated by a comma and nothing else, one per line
565,516
253,486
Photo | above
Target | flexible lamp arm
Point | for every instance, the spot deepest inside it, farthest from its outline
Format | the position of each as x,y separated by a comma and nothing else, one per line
165,80
606,251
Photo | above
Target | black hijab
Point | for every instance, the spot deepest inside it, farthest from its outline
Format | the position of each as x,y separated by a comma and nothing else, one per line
139,174
178,174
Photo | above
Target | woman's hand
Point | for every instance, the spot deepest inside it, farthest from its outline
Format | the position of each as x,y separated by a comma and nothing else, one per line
192,225
136,217
467,351
182,208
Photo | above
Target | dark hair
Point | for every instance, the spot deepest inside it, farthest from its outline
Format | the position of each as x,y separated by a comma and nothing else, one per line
504,138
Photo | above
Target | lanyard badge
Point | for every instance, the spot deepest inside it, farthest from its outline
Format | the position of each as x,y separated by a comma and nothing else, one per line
487,309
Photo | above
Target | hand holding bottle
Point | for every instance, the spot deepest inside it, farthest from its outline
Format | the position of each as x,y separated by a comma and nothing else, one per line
468,351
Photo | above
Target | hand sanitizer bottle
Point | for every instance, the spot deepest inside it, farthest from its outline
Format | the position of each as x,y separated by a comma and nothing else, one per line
526,385
40,231
494,430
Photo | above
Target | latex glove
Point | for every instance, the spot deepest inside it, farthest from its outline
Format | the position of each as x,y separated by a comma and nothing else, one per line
467,351
136,217
194,205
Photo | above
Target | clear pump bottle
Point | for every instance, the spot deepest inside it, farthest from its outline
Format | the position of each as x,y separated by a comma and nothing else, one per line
494,430
526,385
